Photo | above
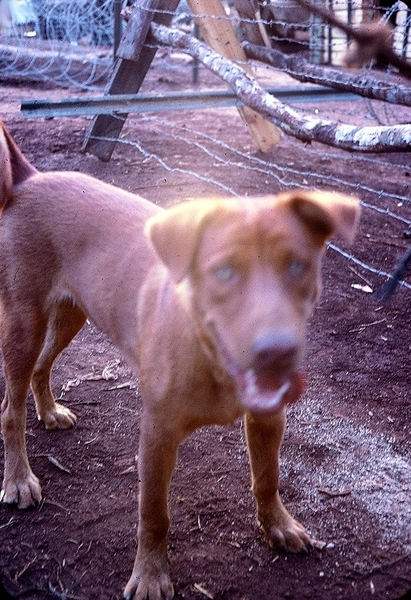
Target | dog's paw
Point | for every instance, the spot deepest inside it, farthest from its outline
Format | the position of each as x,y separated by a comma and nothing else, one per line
24,493
60,417
289,537
149,584
286,534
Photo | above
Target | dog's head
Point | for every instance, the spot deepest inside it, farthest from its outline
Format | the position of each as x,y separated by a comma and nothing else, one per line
250,271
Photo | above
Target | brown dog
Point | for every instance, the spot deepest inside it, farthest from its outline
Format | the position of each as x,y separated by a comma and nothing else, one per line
210,306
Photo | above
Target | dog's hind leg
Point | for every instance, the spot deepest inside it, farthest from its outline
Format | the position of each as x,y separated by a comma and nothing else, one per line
22,336
64,323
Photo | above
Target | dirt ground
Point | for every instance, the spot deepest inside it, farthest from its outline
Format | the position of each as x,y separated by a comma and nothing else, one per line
346,456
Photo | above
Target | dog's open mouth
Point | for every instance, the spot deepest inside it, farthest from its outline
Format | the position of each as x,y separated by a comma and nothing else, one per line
264,393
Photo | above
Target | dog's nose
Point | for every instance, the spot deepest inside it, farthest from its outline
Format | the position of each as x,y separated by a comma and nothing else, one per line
275,353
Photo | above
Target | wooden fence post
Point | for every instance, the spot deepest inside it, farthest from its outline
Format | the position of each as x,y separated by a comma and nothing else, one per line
134,60
218,33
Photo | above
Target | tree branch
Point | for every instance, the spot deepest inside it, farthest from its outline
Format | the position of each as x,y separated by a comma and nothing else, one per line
306,128
299,68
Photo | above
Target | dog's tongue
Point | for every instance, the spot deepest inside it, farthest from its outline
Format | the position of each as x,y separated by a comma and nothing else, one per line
262,393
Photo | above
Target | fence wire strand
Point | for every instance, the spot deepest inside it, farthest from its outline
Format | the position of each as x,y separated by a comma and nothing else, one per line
71,45
284,177
266,167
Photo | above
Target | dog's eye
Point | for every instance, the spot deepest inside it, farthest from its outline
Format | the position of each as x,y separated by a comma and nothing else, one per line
225,273
297,268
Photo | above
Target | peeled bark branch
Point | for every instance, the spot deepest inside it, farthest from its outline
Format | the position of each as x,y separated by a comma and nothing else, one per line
299,68
306,128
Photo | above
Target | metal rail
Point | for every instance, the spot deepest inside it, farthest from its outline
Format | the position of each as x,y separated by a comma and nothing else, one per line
136,103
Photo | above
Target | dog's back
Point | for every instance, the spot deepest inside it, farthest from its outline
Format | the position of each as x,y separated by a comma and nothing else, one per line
77,237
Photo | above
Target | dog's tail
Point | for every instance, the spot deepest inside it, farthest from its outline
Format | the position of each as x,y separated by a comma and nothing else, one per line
14,166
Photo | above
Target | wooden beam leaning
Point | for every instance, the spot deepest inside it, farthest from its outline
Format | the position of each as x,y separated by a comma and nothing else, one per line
250,22
138,26
218,33
134,58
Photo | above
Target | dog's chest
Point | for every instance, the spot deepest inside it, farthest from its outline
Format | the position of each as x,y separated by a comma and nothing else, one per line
224,405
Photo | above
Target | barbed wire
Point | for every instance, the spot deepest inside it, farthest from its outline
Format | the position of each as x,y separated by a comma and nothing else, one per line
267,167
87,61
71,43
173,169
284,176
377,271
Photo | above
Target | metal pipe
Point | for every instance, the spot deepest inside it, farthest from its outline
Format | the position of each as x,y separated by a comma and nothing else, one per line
136,103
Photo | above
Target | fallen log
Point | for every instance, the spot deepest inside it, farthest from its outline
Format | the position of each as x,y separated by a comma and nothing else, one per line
306,128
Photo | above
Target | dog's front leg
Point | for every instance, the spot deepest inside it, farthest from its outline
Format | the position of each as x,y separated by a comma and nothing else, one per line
264,438
150,578
20,486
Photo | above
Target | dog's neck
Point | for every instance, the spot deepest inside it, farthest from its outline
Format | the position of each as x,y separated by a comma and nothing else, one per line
207,340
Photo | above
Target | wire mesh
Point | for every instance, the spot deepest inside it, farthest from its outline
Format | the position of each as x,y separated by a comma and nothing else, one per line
68,44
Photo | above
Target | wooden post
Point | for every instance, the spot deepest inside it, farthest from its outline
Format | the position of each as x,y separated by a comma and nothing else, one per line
248,11
128,73
218,33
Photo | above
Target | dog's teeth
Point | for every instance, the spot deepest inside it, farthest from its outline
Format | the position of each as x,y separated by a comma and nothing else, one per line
259,398
279,394
251,382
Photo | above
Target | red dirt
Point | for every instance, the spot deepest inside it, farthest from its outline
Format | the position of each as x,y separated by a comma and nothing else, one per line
345,459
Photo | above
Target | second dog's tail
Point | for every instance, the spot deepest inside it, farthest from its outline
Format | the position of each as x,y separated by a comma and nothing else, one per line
14,166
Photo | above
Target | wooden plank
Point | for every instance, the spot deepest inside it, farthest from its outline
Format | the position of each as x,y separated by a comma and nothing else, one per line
127,75
137,29
218,32
251,25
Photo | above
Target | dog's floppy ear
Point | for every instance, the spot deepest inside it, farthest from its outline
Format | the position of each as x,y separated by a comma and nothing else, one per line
176,233
324,213
14,166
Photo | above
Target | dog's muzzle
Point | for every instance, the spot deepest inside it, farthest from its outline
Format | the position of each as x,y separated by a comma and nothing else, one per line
272,378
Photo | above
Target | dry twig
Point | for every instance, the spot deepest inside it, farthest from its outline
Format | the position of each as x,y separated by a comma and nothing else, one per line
331,494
